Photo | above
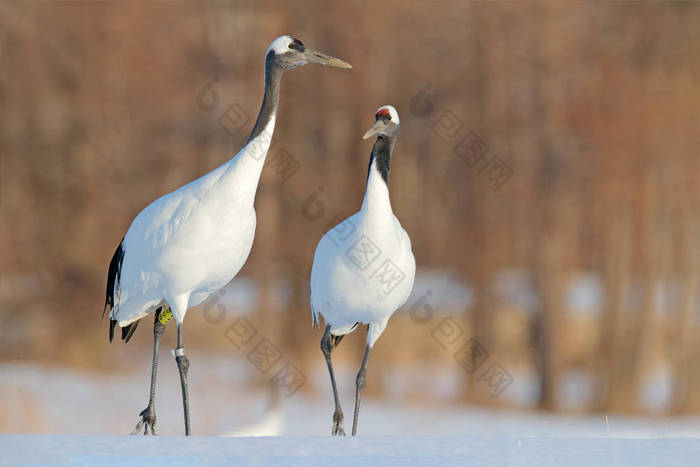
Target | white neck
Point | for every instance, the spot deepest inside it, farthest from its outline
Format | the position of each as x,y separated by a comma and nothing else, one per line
243,171
376,207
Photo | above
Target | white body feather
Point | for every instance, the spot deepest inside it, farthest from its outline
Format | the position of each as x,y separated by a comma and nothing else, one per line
363,268
188,244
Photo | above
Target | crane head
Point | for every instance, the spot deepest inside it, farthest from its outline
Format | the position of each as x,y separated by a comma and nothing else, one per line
386,123
289,52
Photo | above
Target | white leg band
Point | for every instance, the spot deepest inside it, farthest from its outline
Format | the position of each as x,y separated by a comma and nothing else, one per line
178,352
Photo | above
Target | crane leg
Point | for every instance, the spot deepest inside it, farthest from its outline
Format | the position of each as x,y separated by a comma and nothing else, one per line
148,415
359,385
183,364
327,348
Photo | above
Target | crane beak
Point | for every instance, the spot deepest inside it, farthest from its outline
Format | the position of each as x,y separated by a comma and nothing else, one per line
317,57
374,130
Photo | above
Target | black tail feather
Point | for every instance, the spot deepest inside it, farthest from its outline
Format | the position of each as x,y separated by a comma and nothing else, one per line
337,339
114,276
113,279
112,323
128,330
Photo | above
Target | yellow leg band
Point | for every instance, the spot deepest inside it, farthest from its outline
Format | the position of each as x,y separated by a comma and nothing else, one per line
165,316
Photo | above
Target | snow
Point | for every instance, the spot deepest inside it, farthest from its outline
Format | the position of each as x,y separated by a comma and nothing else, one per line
43,400
94,411
325,451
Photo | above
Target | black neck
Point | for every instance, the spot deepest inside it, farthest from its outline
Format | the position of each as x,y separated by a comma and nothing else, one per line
271,100
381,152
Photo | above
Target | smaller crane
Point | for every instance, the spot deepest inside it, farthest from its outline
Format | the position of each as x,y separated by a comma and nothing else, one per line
363,269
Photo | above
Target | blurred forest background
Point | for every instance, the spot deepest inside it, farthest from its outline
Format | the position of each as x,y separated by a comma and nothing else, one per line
547,171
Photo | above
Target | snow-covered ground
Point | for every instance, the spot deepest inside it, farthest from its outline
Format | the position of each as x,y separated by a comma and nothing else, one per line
81,418
49,400
93,451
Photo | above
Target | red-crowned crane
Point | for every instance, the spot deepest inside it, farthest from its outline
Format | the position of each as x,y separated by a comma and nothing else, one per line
190,243
363,268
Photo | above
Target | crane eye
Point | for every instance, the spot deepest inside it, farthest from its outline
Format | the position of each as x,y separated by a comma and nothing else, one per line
296,44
